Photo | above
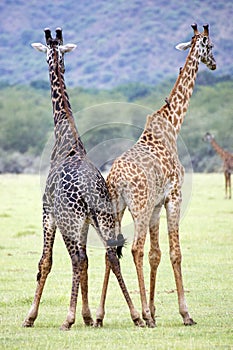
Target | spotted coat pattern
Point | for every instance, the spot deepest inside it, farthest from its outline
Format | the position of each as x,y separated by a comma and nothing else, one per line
75,196
149,175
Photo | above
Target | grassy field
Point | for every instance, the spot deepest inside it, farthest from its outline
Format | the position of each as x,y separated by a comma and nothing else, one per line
207,247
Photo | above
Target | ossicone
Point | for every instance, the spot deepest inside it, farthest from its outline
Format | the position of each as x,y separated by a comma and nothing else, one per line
194,26
59,35
206,29
48,35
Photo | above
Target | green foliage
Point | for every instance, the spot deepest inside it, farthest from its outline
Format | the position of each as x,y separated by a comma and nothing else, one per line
134,91
24,119
40,84
27,123
4,84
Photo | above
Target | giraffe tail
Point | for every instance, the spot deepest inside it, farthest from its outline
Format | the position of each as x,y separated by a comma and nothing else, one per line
120,242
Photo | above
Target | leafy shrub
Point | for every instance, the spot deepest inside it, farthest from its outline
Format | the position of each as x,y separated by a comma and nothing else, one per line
134,91
26,119
40,84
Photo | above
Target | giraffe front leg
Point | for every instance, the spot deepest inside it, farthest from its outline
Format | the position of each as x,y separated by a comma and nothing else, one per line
101,309
226,184
154,255
138,253
115,266
229,185
173,210
44,266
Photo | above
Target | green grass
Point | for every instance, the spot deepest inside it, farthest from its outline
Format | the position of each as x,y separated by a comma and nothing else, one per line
207,246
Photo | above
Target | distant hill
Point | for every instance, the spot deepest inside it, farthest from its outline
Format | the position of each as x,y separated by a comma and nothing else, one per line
118,41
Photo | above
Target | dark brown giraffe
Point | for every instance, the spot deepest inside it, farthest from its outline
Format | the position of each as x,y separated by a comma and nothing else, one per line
227,158
149,175
75,196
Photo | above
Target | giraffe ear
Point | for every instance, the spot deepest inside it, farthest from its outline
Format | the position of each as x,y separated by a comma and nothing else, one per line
183,46
67,48
39,47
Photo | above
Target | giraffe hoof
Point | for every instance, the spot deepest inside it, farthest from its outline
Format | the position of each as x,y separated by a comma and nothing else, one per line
28,324
98,323
88,321
150,323
65,327
189,322
138,322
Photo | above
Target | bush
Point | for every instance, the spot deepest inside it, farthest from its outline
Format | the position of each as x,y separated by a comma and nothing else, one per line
26,119
17,163
134,91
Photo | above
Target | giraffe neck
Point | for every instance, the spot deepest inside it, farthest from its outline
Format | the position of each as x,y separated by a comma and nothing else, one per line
66,135
222,153
177,103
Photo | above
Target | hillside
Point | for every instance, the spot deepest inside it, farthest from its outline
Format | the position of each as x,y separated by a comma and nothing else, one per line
118,41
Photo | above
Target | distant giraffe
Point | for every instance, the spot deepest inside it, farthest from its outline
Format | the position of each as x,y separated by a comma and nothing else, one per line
75,196
227,158
149,175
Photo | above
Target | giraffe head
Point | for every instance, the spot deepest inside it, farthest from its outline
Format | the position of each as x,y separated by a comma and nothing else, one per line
54,49
208,137
203,46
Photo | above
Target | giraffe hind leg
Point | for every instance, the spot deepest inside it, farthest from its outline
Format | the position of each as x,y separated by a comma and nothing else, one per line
70,319
86,314
45,266
79,265
175,256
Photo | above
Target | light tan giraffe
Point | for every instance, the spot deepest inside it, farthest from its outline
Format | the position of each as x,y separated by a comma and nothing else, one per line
149,175
227,158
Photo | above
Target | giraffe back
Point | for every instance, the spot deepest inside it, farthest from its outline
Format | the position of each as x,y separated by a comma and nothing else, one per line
143,175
